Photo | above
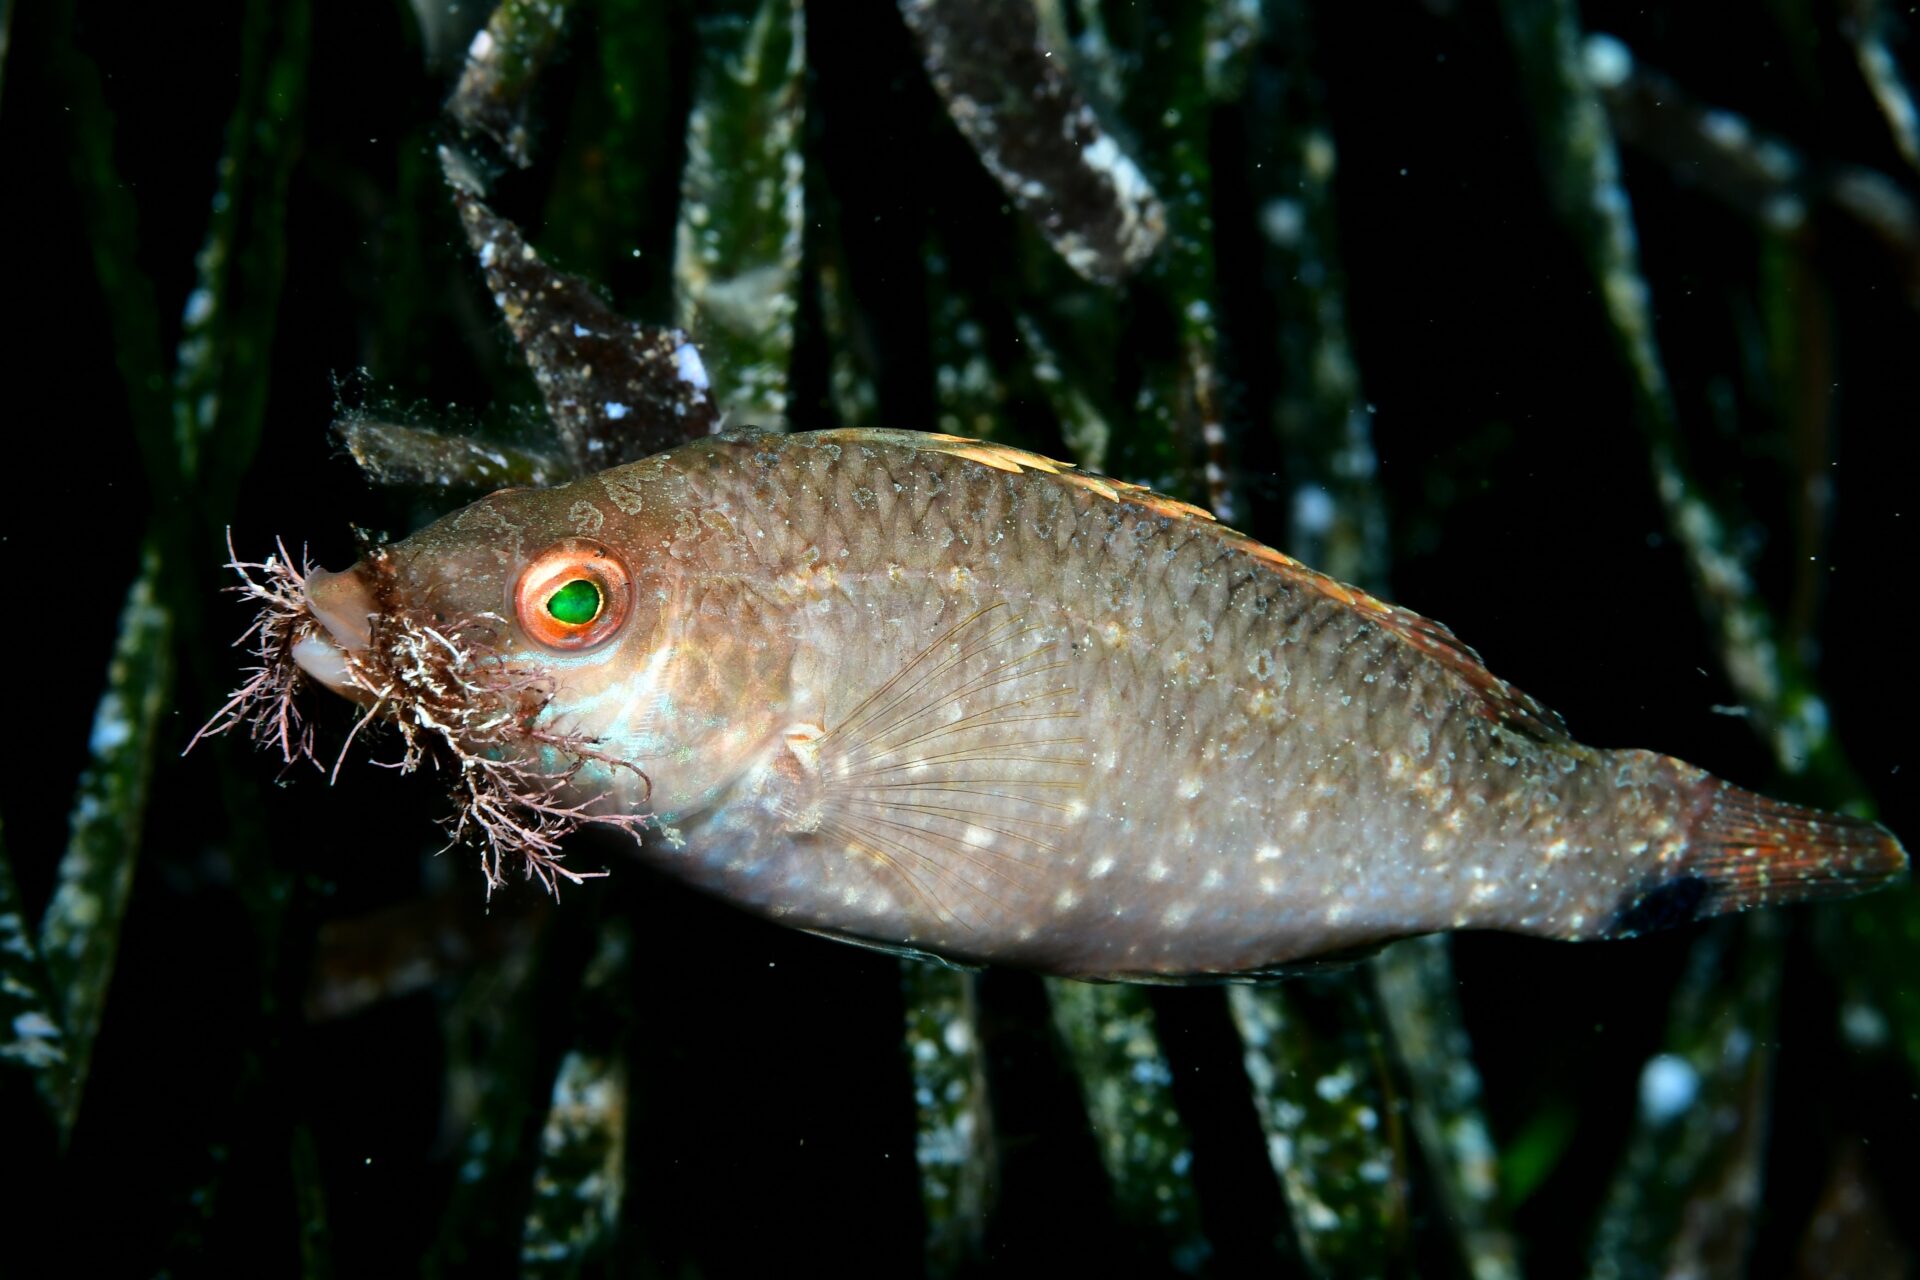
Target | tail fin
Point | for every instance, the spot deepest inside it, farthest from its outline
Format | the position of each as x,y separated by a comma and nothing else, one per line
1746,851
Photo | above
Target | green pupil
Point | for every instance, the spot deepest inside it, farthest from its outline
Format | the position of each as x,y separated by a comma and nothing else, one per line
576,603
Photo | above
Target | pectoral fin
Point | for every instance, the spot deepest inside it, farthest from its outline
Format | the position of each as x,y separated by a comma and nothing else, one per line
959,771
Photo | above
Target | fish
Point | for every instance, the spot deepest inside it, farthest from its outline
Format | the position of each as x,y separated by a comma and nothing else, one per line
956,700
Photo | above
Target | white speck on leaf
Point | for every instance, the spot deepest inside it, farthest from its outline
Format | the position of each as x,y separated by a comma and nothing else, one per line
687,363
1668,1086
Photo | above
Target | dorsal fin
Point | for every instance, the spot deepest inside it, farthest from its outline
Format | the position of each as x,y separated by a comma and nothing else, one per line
1498,700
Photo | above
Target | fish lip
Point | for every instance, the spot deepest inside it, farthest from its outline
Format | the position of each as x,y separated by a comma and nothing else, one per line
343,604
320,658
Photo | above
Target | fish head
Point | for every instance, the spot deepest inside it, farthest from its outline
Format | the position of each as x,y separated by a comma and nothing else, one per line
559,661
503,593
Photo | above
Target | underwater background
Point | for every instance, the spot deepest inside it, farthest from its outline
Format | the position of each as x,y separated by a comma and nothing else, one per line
1588,329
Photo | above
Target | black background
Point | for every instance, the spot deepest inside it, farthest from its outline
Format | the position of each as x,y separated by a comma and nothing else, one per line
776,1118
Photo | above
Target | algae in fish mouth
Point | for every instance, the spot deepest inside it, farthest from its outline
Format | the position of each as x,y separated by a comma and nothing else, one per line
458,703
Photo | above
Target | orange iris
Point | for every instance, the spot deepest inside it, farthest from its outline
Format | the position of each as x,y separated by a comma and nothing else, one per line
573,596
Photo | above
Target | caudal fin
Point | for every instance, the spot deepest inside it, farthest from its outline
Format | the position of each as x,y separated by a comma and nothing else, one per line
1746,851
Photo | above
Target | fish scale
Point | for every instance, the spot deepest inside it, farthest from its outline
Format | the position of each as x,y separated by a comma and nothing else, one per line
951,698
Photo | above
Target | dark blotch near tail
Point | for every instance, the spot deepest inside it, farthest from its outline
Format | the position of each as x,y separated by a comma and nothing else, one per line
1744,850
1679,901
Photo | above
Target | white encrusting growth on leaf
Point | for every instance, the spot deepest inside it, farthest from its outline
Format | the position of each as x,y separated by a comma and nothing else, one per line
687,363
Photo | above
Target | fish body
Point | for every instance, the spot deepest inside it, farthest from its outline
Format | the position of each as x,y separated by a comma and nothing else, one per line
948,697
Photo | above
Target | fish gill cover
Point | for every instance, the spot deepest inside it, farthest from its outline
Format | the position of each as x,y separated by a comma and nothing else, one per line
1586,329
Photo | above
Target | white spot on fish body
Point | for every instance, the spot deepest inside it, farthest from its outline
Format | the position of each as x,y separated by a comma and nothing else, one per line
1267,853
1158,869
1066,900
1101,866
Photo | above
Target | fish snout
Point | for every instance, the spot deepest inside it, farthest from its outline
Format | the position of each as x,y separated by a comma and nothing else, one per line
344,606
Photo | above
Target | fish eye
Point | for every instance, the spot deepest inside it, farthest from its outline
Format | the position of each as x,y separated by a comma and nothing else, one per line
573,596
576,604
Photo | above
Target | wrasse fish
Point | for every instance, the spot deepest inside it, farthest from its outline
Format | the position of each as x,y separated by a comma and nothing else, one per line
948,697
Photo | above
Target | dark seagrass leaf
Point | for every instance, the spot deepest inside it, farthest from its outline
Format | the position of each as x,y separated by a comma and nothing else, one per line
503,65
614,389
1034,132
736,258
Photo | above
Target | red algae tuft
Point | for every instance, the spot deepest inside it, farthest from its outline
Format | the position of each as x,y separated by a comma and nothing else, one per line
458,705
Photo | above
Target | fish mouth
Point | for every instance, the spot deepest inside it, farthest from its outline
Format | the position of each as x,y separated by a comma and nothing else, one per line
344,606
451,701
